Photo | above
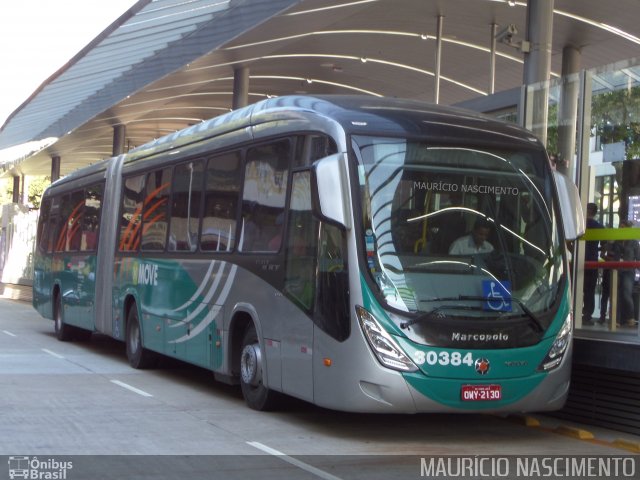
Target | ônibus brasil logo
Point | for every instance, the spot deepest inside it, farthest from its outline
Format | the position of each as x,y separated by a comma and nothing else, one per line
38,469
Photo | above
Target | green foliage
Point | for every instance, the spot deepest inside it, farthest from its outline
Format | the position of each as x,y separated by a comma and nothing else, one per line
6,193
615,115
37,187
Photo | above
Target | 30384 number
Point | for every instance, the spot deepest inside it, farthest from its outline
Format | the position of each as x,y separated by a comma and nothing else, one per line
444,358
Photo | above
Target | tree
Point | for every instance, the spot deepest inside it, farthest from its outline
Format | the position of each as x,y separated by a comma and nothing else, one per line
6,193
615,116
36,188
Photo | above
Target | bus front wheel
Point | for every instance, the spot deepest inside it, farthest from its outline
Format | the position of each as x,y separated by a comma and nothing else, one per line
256,394
64,332
138,356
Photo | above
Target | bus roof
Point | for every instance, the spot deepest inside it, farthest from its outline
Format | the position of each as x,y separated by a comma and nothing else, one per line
357,114
93,169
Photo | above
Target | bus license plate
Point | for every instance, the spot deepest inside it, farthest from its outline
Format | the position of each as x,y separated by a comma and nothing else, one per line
480,393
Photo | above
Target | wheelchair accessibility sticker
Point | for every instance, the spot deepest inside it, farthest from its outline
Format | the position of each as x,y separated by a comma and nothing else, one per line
497,295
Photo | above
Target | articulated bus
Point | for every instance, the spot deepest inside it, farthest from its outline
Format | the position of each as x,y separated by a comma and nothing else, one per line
303,246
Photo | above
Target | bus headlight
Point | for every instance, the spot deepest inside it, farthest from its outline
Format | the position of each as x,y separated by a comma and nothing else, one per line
559,347
385,347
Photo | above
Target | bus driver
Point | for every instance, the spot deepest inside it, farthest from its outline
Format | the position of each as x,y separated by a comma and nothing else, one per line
475,242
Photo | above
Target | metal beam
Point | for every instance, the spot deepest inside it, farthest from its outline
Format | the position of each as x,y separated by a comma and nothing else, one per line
436,87
492,60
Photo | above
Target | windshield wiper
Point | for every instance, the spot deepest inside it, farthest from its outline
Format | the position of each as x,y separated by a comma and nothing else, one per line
436,312
427,316
532,316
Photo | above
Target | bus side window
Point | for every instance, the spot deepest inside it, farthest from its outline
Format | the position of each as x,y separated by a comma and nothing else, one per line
131,213
68,224
44,230
263,198
332,307
313,147
186,197
91,218
221,199
52,226
154,211
301,245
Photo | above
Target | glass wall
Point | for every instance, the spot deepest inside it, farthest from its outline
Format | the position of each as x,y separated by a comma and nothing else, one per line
593,135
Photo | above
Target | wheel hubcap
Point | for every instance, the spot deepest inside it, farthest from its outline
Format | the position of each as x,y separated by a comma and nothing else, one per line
58,319
250,365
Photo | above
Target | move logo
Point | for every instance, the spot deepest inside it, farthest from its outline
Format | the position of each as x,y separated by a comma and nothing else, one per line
145,274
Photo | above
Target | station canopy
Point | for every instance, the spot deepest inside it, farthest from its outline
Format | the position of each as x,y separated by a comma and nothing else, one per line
167,64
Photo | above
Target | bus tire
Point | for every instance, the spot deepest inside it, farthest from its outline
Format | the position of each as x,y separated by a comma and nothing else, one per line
64,332
138,356
255,393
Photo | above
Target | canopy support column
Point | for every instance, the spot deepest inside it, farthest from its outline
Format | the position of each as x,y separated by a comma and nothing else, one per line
240,88
55,168
119,139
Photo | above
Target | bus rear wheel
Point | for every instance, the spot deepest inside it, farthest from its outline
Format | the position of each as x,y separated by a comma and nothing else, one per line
138,356
256,394
64,332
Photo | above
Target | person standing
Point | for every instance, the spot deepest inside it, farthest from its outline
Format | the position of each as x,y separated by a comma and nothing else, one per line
590,275
631,253
610,252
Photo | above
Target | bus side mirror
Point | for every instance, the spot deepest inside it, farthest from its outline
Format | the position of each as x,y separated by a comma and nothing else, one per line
570,207
330,188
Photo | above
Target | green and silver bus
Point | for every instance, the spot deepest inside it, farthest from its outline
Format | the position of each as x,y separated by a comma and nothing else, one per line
303,246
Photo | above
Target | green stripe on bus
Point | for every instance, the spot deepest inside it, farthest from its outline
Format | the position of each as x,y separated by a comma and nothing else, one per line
611,234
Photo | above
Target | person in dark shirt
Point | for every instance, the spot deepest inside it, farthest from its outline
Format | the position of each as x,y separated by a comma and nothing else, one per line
590,275
610,252
630,252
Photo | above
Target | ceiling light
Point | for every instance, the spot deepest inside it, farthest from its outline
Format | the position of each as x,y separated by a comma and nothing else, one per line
321,9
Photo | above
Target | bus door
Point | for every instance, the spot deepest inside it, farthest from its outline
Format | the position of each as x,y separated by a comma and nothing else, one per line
190,339
299,289
43,264
76,257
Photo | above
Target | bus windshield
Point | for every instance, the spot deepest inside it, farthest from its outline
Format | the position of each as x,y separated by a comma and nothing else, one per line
459,231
